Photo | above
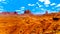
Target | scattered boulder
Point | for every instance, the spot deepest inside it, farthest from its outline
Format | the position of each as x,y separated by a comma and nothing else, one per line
55,19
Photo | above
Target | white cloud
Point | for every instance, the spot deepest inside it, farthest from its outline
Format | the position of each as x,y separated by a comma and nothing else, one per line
52,4
36,7
47,5
22,8
1,9
19,11
41,0
58,5
43,9
2,0
38,4
53,8
45,1
31,4
41,12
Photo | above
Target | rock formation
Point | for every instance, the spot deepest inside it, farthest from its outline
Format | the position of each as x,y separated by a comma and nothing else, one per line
46,12
44,24
5,13
27,12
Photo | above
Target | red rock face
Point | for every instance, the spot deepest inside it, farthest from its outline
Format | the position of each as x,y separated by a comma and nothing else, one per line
5,13
8,13
46,12
27,12
13,12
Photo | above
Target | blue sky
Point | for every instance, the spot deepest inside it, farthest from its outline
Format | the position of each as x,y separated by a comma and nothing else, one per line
35,6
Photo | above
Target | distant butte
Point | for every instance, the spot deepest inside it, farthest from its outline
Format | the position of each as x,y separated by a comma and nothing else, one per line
9,13
46,12
27,12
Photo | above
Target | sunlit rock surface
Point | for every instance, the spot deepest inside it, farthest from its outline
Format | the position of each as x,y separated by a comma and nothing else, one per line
28,23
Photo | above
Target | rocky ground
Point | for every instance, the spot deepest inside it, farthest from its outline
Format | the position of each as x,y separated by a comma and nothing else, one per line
29,23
